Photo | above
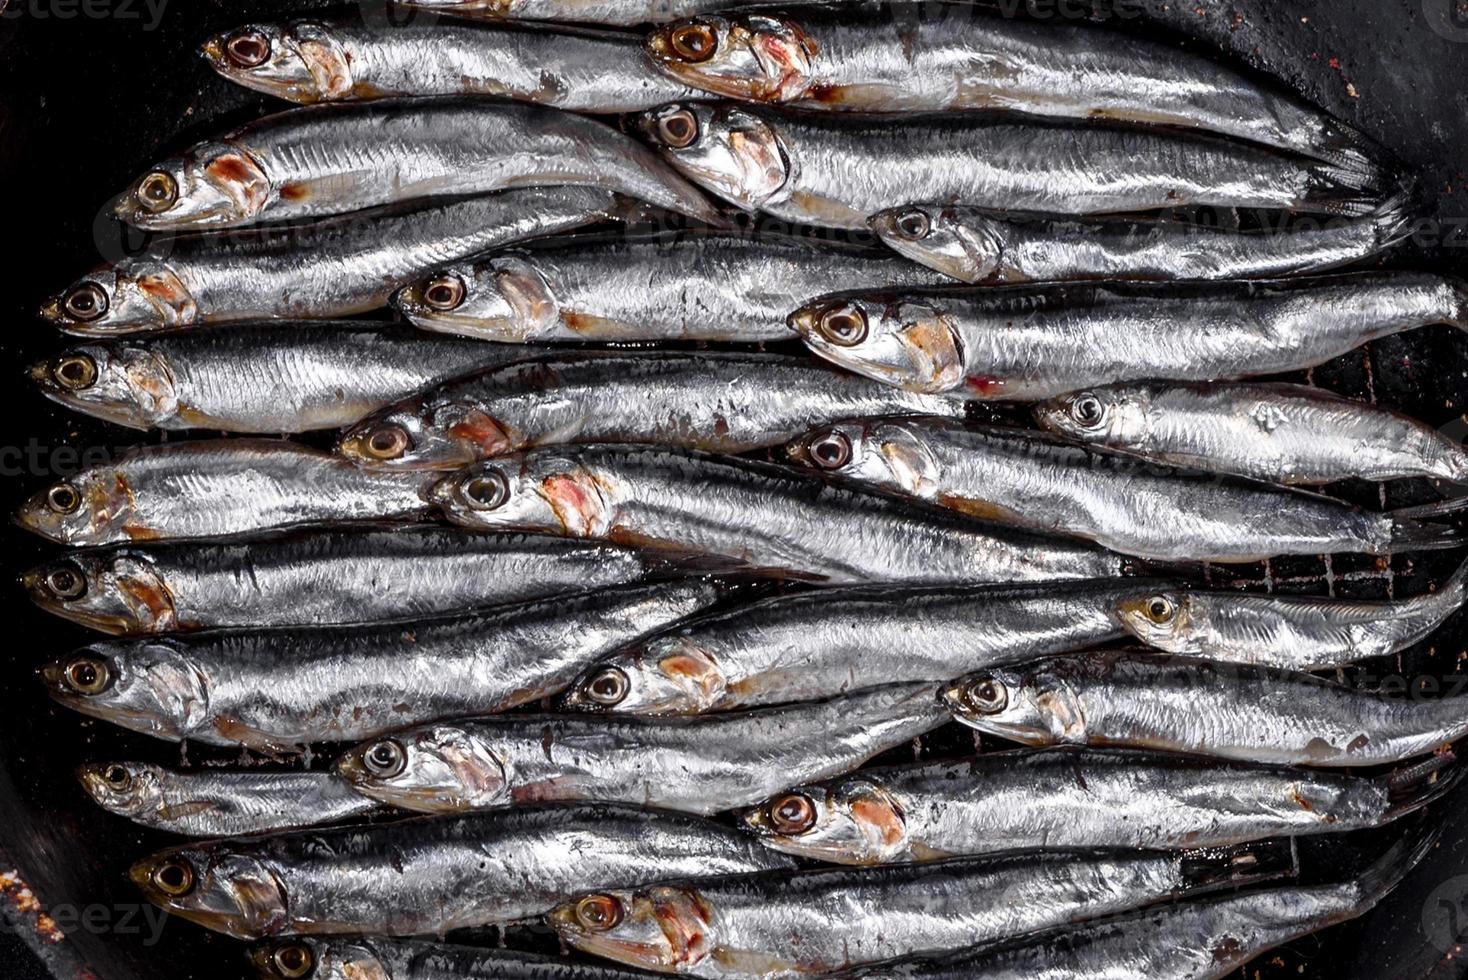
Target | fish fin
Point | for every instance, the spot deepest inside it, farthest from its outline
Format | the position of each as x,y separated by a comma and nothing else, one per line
1387,871
1409,535
1438,508
1410,788
1394,219
1225,867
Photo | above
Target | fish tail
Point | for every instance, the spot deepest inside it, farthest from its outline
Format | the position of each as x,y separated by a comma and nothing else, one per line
1394,219
1411,535
1225,867
1438,508
1387,871
1411,788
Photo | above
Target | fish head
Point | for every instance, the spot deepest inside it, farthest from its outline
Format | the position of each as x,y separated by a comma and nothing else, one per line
228,891
728,150
755,58
666,928
119,591
1030,704
122,383
303,957
213,185
142,296
437,769
506,299
93,507
127,788
906,343
963,243
422,435
148,686
666,675
548,491
301,62
1116,416
854,821
890,455
1166,619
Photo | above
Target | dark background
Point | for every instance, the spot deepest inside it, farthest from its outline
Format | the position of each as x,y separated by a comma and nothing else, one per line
91,93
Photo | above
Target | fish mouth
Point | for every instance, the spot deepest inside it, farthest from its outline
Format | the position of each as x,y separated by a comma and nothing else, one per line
50,311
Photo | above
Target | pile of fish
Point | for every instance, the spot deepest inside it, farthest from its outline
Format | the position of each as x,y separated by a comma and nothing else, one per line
598,607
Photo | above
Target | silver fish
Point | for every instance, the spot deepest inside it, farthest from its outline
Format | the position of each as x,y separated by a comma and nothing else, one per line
696,765
718,401
325,576
1065,798
1209,939
947,57
1281,433
619,13
765,517
217,803
692,287
1293,632
217,487
1182,704
781,925
1035,342
994,248
337,267
819,644
276,690
1022,478
272,377
380,958
309,61
838,172
316,161
429,875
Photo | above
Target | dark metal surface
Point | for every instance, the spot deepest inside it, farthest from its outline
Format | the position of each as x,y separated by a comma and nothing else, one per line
92,90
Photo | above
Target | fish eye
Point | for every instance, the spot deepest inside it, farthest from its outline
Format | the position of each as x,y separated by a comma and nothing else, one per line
77,372
444,293
487,491
844,326
1087,410
830,451
385,759
66,582
174,878
117,777
987,696
792,814
1160,609
608,687
247,49
292,961
158,191
63,498
678,129
388,442
913,225
88,675
598,913
694,42
85,302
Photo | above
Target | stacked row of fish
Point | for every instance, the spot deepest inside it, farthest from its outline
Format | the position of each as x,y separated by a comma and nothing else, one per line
523,601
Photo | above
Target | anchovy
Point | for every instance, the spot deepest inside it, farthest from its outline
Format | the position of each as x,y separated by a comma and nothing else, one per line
317,161
379,958
1182,704
216,803
838,172
1207,939
692,287
619,13
696,400
994,248
765,517
781,925
325,576
1063,798
819,644
217,487
942,58
273,377
1281,433
277,690
337,267
1293,632
696,765
432,874
1019,477
308,61
1035,342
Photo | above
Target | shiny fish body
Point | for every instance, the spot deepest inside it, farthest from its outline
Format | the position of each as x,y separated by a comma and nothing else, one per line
324,576
1183,704
429,875
1036,342
213,488
696,287
1040,799
1019,477
937,58
819,644
616,13
838,172
780,925
993,248
317,161
338,267
340,61
1293,632
279,689
380,958
696,765
217,803
275,377
1281,433
765,517
721,402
